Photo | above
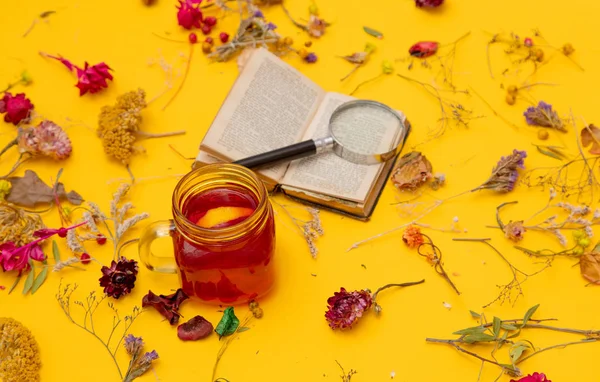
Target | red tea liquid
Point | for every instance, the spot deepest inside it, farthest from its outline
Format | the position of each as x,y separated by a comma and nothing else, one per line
229,272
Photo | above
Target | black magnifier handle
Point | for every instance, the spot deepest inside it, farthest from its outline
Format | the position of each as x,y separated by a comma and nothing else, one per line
284,154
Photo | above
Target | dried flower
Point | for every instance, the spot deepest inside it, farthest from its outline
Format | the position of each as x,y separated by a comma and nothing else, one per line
139,363
316,26
428,3
423,49
387,67
567,49
47,139
189,14
356,58
5,187
346,308
535,377
90,79
17,108
119,279
133,345
590,135
528,42
543,115
18,226
514,231
167,306
412,171
311,58
413,237
505,174
19,353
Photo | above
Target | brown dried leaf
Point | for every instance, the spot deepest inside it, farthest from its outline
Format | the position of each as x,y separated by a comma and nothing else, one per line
590,267
356,58
30,190
591,134
412,171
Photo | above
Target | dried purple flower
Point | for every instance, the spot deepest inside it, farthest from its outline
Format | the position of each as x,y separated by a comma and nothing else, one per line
133,345
119,279
428,3
311,58
258,13
271,26
47,139
139,364
505,174
345,308
543,115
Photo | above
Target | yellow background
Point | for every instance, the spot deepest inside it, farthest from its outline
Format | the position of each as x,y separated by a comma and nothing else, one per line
293,341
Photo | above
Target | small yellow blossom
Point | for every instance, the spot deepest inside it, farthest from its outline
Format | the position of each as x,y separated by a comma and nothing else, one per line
387,67
5,187
19,353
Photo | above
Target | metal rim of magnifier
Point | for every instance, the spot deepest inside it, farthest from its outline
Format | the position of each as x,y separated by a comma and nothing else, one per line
359,158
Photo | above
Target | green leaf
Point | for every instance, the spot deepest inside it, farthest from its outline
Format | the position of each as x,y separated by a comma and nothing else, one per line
529,313
475,314
479,337
373,32
39,280
228,324
14,284
55,252
497,325
549,153
509,327
473,330
29,280
517,350
243,329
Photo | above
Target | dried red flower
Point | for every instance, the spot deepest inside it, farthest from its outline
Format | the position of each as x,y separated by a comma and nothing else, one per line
345,308
413,237
189,14
167,306
195,329
428,3
90,79
423,49
17,108
224,37
535,377
119,279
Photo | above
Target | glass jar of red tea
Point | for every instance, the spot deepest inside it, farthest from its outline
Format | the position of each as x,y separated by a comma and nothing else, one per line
223,234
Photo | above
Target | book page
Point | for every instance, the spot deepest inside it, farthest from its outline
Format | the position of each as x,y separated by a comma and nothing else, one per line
270,106
329,174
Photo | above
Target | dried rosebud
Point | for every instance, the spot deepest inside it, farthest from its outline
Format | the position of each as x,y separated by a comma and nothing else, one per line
224,37
17,108
423,49
413,237
119,279
514,231
428,3
535,377
543,115
189,15
345,308
528,42
90,79
196,328
47,139
412,171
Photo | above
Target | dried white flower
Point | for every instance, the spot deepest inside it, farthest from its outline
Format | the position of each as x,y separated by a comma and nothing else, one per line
589,231
455,219
447,305
561,238
63,264
98,214
73,242
127,224
89,219
123,210
597,214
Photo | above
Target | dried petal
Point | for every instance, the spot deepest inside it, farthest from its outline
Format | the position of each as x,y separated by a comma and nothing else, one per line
589,265
195,329
167,306
189,14
591,135
47,139
428,3
316,26
412,171
356,58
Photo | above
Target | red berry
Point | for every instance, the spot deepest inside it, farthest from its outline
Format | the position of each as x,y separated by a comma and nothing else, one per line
210,21
528,42
85,258
62,232
101,239
193,38
224,37
206,29
209,40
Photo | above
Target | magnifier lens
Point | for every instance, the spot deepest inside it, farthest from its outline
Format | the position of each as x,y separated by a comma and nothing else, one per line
366,129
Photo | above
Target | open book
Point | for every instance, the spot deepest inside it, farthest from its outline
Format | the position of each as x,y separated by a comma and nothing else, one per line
273,105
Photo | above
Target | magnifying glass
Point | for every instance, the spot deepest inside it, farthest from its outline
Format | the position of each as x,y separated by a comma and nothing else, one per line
360,131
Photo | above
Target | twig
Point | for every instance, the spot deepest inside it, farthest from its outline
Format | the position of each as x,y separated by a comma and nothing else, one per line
493,110
185,74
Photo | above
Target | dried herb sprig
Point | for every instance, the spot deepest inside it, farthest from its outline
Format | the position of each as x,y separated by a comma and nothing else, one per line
386,69
315,27
359,58
513,290
89,307
24,79
508,332
346,377
505,174
310,229
41,17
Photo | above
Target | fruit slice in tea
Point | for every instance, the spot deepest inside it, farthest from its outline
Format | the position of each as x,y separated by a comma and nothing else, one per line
224,216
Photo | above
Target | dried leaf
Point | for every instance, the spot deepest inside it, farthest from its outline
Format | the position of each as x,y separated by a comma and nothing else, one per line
243,329
30,190
590,267
412,171
55,252
517,349
497,325
479,337
14,284
475,314
373,32
509,327
228,324
39,280
551,154
29,280
356,58
43,15
195,329
529,313
472,330
591,135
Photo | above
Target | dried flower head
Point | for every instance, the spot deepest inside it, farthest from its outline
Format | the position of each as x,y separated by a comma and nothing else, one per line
17,108
311,58
119,279
514,230
189,14
90,78
412,171
47,139
345,308
567,49
428,3
139,363
316,26
543,115
133,345
535,377
19,353
412,236
505,174
18,226
423,49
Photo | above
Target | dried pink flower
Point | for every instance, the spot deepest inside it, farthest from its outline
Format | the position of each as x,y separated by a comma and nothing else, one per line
428,3
345,308
119,279
514,231
47,139
189,14
535,377
316,26
17,108
90,79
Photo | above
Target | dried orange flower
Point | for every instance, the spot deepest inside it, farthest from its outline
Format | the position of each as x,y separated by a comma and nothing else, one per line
413,237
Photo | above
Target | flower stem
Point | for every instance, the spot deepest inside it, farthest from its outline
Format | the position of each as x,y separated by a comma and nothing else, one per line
457,347
187,70
396,285
159,135
9,145
563,345
287,13
498,213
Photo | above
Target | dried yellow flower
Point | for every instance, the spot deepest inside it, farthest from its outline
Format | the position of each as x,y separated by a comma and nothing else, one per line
18,226
19,353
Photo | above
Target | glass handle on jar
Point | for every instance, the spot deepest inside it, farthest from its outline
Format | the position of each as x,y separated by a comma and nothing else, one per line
156,230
